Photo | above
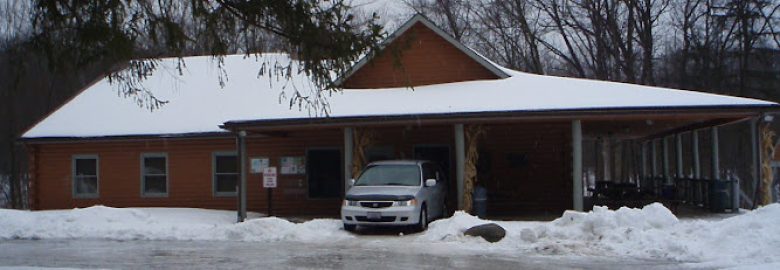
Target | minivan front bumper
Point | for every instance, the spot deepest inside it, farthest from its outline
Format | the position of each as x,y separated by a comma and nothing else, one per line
387,216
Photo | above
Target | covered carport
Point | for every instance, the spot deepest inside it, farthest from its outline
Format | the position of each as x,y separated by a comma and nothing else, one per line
550,161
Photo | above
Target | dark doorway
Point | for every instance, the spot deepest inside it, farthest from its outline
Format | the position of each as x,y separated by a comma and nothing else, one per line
323,168
437,153
440,154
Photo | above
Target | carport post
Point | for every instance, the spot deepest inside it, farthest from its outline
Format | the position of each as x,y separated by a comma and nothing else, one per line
576,143
241,140
696,157
665,145
348,148
697,166
654,157
460,162
679,150
755,145
715,154
644,159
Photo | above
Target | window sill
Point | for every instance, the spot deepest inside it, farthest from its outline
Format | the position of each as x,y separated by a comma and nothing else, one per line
154,195
87,196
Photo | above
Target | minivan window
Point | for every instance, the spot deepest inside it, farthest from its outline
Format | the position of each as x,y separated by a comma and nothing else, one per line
390,175
429,171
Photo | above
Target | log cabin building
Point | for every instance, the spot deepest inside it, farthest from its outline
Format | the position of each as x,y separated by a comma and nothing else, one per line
535,142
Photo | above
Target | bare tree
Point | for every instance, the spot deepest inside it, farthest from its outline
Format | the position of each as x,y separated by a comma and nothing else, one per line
509,33
452,15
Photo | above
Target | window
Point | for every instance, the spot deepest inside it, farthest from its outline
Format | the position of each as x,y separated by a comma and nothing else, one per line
225,166
154,174
323,167
85,176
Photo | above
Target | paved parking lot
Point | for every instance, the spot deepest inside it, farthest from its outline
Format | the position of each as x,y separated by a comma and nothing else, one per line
280,255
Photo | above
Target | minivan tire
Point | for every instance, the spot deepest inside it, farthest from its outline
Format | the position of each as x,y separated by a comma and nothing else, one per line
350,227
423,222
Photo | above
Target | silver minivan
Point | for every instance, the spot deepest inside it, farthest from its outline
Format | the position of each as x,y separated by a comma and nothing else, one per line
395,193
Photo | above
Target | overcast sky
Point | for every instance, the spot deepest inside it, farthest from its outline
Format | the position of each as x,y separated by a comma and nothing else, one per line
392,13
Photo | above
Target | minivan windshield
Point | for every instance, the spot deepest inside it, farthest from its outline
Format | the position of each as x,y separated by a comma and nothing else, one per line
390,175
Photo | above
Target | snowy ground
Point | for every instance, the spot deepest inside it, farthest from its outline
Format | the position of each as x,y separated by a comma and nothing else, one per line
746,241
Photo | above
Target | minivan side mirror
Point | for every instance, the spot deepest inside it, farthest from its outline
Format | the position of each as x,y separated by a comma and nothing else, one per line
352,182
430,182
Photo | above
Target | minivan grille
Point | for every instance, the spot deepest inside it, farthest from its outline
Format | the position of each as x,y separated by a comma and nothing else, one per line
382,219
376,204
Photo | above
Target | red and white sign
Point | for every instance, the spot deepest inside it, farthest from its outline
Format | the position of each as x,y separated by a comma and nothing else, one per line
269,177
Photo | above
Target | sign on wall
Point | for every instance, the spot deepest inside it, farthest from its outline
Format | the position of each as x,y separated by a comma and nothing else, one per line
257,164
293,165
269,177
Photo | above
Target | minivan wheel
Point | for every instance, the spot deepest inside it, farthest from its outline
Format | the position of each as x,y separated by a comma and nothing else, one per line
350,227
423,224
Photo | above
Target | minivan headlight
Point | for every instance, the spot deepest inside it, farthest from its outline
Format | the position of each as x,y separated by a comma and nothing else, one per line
350,203
411,202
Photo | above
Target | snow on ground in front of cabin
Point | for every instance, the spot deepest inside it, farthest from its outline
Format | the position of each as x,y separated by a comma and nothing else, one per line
100,222
653,232
746,241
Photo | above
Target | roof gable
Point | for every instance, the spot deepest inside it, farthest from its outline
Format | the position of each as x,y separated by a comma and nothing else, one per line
419,53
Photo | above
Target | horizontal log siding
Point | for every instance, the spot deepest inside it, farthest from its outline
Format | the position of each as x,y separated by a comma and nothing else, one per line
291,197
540,186
425,58
543,183
189,173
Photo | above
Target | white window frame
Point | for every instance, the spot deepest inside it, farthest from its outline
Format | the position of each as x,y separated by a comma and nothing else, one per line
74,177
144,175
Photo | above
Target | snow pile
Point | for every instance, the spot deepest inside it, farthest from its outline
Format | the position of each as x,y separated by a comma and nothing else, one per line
102,222
451,229
652,232
627,231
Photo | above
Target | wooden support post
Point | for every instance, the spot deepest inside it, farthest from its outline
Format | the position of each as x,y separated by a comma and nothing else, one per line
680,163
755,145
460,162
241,147
644,160
697,167
680,183
667,174
696,156
715,154
654,154
576,136
348,151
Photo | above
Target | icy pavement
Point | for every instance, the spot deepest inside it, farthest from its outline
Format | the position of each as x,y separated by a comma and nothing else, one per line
651,234
109,254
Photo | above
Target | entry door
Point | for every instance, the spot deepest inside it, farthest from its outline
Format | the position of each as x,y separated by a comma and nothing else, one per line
323,167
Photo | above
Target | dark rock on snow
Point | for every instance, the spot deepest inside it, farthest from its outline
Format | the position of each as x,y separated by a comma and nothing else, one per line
490,232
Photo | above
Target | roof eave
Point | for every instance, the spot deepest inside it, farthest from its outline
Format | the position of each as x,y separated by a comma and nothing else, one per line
187,135
736,110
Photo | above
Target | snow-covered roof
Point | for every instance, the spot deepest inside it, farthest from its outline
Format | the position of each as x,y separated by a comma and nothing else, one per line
199,105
